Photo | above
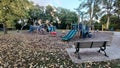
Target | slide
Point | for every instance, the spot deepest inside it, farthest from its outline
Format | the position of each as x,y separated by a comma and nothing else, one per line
70,35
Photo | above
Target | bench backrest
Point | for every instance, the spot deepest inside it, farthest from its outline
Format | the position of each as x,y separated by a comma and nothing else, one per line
91,44
100,38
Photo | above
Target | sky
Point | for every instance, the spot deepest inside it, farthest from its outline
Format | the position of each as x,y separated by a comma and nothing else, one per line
68,4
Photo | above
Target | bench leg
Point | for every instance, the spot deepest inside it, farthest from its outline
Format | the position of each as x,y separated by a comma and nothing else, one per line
77,50
103,48
105,54
79,56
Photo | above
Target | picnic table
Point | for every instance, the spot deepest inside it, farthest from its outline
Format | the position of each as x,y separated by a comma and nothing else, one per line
90,43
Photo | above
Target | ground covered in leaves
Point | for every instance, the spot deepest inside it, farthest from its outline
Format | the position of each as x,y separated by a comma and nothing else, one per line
40,51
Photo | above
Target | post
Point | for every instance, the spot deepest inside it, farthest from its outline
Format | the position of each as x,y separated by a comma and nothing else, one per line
5,28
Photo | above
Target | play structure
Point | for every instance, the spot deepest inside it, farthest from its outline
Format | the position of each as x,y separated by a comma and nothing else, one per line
40,27
83,29
32,28
51,29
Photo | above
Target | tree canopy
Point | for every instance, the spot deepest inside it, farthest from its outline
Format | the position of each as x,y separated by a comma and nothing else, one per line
11,10
96,9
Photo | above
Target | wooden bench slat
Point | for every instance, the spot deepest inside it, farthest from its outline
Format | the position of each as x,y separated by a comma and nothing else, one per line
88,44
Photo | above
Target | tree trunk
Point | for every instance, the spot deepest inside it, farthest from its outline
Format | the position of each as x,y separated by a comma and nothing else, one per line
108,22
90,23
91,16
5,28
102,27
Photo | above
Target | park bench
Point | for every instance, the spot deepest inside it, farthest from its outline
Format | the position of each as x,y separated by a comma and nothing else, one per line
92,43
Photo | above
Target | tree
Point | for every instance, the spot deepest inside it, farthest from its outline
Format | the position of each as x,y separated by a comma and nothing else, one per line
114,21
11,10
66,17
117,8
49,13
92,9
35,13
97,26
108,6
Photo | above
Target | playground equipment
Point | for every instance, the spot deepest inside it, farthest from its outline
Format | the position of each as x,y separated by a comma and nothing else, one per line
51,28
83,29
32,28
70,35
52,31
37,28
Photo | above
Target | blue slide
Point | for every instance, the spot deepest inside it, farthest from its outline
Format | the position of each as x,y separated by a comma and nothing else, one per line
70,35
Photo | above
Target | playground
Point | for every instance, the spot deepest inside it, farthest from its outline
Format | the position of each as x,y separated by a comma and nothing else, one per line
34,49
59,34
43,45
